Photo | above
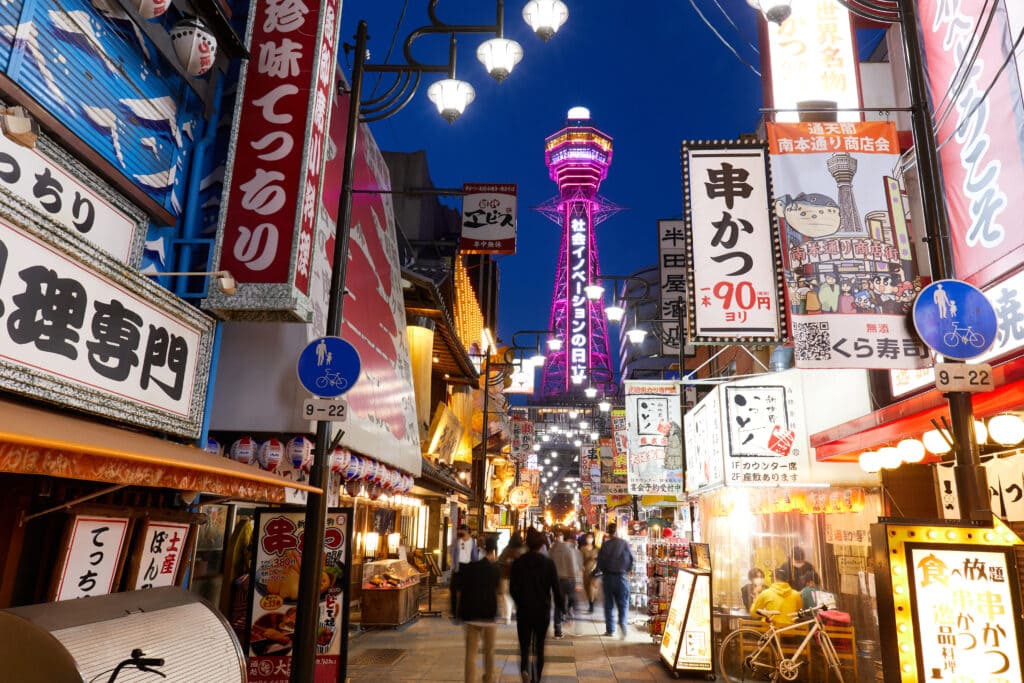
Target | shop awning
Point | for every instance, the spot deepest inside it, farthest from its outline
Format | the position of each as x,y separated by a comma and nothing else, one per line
45,442
436,479
425,298
912,417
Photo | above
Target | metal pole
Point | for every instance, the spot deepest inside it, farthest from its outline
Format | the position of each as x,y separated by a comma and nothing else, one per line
971,482
481,469
308,615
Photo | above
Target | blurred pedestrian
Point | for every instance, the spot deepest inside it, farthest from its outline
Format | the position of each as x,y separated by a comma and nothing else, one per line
615,562
512,552
589,554
478,607
569,564
463,551
533,583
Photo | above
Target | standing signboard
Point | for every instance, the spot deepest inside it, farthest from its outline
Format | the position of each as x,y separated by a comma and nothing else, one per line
734,290
654,438
274,591
92,556
488,219
850,272
687,643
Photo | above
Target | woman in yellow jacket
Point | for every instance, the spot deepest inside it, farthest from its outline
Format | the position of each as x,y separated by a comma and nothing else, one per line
779,597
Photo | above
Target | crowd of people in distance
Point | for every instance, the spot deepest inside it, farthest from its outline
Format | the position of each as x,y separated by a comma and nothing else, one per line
535,579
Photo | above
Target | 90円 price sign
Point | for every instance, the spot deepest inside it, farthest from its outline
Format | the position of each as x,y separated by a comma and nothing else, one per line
967,377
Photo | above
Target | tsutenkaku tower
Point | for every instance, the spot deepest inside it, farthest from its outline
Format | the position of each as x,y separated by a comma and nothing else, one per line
578,157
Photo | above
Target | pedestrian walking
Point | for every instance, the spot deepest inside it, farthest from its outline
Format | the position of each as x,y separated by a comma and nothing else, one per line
533,583
463,551
588,552
512,552
478,607
569,565
615,562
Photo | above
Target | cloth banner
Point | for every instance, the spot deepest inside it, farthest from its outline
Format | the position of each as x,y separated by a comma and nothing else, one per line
654,438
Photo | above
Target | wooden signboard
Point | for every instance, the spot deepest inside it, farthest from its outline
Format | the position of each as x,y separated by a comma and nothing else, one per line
92,555
160,555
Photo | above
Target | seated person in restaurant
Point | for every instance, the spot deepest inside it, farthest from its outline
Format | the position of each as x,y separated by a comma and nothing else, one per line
811,581
798,568
779,597
753,587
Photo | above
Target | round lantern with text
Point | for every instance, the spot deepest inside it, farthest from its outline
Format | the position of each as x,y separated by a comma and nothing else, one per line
270,454
369,469
151,9
382,475
354,469
300,453
339,458
194,45
244,450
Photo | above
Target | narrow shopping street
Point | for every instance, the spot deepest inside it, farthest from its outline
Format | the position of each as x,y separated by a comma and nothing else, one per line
431,649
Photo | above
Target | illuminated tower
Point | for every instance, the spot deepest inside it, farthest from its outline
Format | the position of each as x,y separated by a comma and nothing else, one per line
578,157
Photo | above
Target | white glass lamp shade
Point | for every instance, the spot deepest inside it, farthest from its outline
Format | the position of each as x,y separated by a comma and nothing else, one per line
636,335
545,17
604,406
194,45
584,424
451,97
911,450
615,313
590,392
537,358
573,414
499,56
889,457
577,380
1007,430
554,344
594,292
935,442
577,443
776,11
594,435
536,446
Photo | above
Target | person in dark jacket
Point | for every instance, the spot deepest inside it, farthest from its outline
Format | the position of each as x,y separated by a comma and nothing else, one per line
533,582
478,607
615,561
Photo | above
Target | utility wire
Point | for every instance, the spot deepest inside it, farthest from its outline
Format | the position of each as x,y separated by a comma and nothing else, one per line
737,28
966,72
721,38
394,40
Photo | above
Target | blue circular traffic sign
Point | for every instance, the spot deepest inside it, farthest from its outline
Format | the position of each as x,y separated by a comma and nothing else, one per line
955,319
328,366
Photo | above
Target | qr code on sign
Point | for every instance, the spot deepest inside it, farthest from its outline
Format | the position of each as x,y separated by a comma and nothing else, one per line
811,341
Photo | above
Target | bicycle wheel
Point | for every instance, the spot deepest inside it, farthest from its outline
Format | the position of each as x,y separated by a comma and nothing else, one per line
951,339
742,658
975,340
831,656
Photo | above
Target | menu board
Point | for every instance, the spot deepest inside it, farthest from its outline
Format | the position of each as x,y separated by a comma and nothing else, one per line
687,643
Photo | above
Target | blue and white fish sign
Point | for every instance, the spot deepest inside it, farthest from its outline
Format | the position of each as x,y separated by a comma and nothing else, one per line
328,366
955,319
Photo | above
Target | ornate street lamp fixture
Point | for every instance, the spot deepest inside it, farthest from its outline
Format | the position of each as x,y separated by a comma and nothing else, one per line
545,17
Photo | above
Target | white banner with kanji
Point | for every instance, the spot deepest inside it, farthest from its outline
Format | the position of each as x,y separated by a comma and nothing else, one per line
654,438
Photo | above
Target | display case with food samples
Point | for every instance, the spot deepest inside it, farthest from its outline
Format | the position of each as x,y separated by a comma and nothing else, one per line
389,575
390,595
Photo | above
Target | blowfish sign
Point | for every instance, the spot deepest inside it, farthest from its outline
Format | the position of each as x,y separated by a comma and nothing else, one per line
281,127
488,219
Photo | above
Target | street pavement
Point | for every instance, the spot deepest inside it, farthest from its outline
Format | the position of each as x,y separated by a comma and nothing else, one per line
432,649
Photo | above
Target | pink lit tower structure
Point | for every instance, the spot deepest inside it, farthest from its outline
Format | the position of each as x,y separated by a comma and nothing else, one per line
578,157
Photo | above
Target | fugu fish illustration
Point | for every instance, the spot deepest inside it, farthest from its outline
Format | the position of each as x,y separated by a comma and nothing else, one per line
76,27
111,10
105,120
155,113
152,145
161,180
28,35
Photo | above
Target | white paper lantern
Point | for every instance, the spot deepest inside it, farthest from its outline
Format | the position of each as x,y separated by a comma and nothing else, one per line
194,45
300,452
244,450
339,460
151,9
354,469
270,454
213,447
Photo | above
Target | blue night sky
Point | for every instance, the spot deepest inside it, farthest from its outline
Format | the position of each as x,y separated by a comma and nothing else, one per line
651,73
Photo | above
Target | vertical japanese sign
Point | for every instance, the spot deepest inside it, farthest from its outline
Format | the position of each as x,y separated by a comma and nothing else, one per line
734,292
980,139
522,438
811,58
280,129
162,547
277,557
654,438
488,219
849,272
619,441
612,484
578,270
76,330
587,487
765,438
92,557
1005,478
705,452
672,267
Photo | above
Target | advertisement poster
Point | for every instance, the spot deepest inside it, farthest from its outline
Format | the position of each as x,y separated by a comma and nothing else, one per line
274,590
654,437
732,247
488,219
849,262
619,441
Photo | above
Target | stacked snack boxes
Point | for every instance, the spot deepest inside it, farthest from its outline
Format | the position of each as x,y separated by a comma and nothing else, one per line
666,558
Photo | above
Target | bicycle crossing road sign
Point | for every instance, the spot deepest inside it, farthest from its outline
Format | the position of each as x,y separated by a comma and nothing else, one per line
955,319
328,367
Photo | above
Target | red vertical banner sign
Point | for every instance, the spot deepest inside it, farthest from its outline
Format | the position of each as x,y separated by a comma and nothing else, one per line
275,167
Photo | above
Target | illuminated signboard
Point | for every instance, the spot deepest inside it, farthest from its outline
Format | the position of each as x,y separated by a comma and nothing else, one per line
579,309
948,600
686,644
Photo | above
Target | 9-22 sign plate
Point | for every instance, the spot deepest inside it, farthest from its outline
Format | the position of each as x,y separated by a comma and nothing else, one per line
967,377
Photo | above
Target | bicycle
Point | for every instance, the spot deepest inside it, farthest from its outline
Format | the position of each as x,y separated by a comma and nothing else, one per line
967,335
333,379
748,654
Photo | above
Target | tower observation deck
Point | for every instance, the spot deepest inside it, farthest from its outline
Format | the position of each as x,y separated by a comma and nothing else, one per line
578,157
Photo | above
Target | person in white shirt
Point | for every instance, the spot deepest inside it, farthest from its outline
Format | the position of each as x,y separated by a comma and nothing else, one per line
463,551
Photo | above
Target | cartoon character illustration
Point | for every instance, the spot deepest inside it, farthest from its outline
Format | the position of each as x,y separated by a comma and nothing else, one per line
846,296
809,215
828,294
